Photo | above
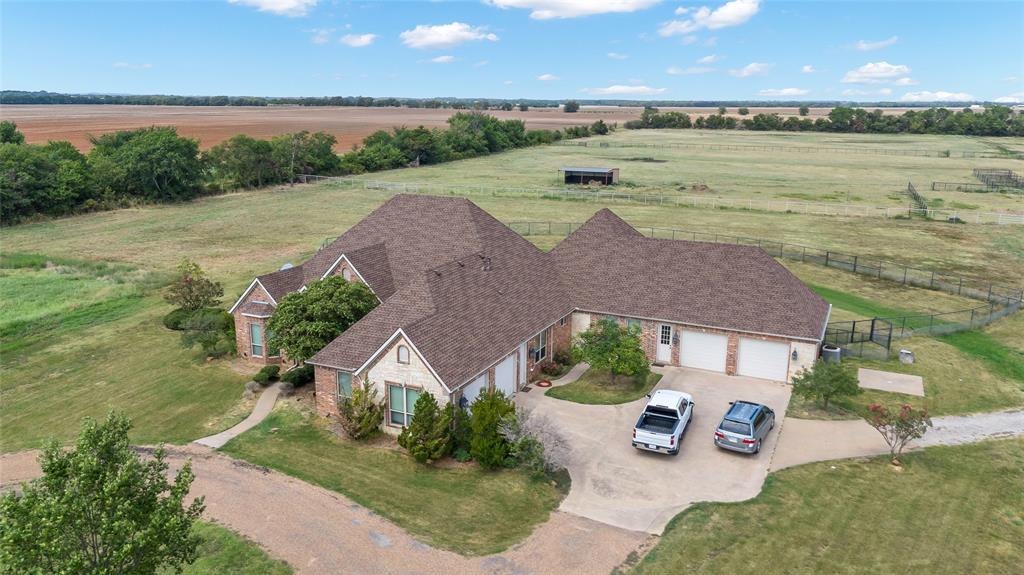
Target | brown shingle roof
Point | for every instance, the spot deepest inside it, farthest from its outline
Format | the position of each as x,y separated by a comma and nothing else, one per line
281,283
257,309
608,268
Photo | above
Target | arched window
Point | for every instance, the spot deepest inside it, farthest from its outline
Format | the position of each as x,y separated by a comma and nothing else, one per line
346,274
403,354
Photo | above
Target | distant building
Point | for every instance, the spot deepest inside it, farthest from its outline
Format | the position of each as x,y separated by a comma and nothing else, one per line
605,176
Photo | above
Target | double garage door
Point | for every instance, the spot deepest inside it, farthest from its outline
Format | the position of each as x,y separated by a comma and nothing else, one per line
754,357
504,380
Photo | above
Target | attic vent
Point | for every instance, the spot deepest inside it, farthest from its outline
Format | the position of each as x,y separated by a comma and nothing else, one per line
487,264
286,266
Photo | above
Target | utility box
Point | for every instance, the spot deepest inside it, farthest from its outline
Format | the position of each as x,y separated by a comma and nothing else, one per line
831,353
906,356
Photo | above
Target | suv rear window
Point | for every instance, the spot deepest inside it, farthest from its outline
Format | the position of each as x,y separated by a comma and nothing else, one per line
735,427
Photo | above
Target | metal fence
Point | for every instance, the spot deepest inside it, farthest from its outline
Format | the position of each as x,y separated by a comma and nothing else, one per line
793,149
1006,178
916,197
609,194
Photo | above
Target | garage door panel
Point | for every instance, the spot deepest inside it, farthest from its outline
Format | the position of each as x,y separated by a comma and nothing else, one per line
703,350
475,388
762,359
505,376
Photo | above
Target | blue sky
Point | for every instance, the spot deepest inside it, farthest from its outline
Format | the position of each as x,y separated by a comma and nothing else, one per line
558,49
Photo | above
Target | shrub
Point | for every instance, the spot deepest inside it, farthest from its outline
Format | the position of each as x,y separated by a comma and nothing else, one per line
550,368
535,445
462,455
211,329
825,381
177,318
267,374
299,376
610,346
191,289
571,106
252,386
361,415
486,444
429,437
562,356
286,388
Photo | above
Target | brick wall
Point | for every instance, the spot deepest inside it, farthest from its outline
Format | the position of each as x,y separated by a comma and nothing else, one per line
242,329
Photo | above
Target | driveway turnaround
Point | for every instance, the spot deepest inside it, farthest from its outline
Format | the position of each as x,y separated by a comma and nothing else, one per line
617,484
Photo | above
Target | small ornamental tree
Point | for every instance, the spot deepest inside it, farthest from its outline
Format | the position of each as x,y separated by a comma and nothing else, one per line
99,508
429,436
486,444
191,289
826,381
609,346
212,329
898,427
304,322
361,414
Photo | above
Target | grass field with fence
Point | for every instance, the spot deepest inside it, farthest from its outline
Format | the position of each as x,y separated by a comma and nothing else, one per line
743,167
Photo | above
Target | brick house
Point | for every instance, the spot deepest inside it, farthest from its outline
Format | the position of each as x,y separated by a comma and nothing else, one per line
467,304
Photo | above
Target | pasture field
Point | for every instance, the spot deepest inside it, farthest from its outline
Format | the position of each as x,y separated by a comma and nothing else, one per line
843,173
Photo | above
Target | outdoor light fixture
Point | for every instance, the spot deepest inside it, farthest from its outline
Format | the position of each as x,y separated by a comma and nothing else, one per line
794,355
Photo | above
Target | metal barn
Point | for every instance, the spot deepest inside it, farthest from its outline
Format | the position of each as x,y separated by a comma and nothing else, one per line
604,176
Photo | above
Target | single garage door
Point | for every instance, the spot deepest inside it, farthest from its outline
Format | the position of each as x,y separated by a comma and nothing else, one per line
703,350
475,388
762,359
505,376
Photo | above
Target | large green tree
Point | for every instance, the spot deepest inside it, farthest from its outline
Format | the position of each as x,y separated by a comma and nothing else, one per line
609,346
242,161
429,435
154,164
304,322
9,133
100,509
826,381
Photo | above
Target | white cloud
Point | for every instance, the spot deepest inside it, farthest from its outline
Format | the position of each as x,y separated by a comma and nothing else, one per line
621,90
906,82
878,92
445,35
751,69
547,77
443,59
731,13
875,73
551,9
358,40
677,71
1014,98
617,56
481,63
131,66
321,35
710,59
680,11
280,7
939,96
867,45
784,92
808,69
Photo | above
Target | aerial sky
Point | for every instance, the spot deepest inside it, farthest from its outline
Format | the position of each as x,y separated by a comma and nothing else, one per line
552,49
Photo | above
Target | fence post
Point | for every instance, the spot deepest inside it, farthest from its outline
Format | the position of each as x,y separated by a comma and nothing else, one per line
827,254
904,275
854,264
960,287
931,282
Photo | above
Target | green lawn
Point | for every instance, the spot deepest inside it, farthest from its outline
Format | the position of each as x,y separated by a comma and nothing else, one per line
595,387
455,507
952,510
224,552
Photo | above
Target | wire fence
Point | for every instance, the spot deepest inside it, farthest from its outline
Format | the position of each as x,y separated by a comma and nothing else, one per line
609,194
916,197
795,149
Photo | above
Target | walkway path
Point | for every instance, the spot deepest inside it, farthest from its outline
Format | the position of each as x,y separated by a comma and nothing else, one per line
319,531
263,407
805,440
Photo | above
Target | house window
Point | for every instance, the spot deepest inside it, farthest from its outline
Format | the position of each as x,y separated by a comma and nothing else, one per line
346,274
256,339
271,350
540,346
633,325
666,335
562,321
403,354
401,404
344,384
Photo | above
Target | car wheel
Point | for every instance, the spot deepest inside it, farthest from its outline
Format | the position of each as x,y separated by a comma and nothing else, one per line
757,449
676,452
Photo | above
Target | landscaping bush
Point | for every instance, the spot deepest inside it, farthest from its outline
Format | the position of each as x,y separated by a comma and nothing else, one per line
267,374
535,445
191,289
607,345
826,381
177,318
429,437
563,357
299,376
286,388
361,415
212,329
486,444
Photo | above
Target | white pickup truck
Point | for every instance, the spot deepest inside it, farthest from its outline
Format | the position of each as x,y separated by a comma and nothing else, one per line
661,425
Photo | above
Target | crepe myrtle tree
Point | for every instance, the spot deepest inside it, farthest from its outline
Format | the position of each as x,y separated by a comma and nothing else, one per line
191,290
898,427
99,509
609,346
305,321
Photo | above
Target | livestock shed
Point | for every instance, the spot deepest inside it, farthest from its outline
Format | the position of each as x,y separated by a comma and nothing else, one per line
605,176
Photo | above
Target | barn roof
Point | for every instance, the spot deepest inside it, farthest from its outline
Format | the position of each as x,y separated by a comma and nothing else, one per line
587,170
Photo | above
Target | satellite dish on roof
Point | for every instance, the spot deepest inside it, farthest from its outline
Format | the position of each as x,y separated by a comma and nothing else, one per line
286,266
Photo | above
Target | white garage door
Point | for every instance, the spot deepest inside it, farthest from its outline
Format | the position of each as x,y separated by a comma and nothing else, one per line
474,389
703,350
762,359
505,376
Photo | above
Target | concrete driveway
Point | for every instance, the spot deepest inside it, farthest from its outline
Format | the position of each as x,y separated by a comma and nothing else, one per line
615,483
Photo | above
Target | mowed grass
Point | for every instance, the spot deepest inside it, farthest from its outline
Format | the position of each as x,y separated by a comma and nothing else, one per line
752,168
462,508
952,510
595,387
224,552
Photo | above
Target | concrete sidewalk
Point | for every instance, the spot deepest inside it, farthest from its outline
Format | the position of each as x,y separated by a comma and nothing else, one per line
263,407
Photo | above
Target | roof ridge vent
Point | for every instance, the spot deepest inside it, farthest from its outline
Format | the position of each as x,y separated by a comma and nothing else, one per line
486,263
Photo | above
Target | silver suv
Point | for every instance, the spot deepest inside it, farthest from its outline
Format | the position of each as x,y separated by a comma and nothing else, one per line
744,427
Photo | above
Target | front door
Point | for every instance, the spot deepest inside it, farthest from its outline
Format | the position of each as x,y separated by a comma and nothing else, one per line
665,343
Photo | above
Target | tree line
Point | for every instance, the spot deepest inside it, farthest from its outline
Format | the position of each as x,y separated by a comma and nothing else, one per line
993,121
156,164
